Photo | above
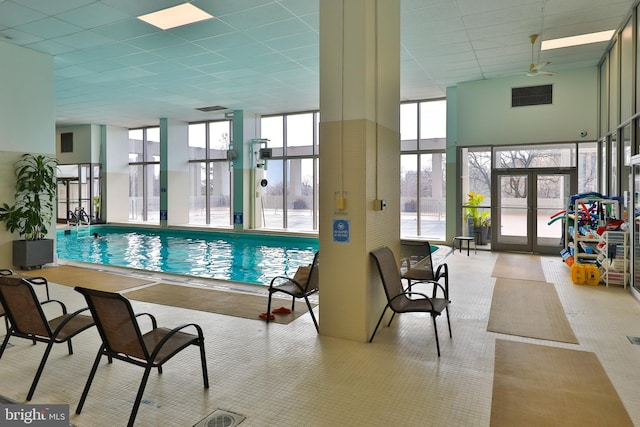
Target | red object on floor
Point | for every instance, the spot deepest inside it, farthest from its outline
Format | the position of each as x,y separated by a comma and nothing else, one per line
281,310
264,316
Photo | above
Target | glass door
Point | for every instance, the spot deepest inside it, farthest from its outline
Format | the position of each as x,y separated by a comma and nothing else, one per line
552,193
511,220
527,214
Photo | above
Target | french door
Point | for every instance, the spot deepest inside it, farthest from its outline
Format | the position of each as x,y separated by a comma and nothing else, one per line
526,215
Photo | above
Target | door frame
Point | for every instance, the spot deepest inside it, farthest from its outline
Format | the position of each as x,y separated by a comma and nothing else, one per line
531,245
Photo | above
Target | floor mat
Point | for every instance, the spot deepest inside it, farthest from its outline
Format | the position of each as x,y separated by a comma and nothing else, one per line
87,278
214,301
519,266
536,385
529,309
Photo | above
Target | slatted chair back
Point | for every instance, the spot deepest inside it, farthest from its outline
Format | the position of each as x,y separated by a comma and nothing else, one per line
313,282
391,280
116,323
22,307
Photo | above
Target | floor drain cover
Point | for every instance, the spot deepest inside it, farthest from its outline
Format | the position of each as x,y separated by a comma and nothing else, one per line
221,418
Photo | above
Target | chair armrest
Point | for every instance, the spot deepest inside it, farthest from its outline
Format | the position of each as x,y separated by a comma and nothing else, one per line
171,333
436,285
39,281
444,273
154,323
442,270
409,294
68,319
285,279
62,306
6,272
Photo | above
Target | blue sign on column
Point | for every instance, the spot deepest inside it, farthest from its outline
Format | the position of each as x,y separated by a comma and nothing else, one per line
237,217
163,215
341,232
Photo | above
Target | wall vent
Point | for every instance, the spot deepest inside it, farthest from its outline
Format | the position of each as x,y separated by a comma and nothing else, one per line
66,142
531,95
212,108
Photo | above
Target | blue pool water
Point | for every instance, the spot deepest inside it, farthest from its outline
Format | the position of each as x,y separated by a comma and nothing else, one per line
248,258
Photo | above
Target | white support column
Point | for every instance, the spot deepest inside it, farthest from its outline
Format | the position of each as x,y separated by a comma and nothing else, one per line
359,158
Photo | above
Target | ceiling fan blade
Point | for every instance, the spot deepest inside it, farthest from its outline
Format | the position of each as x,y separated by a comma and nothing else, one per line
540,65
534,73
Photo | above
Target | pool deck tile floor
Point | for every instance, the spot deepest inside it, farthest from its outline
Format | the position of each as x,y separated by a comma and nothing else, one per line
287,375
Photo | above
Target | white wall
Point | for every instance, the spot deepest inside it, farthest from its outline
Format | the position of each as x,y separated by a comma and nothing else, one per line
177,172
27,106
86,144
115,172
27,119
485,115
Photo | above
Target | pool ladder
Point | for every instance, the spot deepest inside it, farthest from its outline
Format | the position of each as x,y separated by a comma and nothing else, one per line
79,218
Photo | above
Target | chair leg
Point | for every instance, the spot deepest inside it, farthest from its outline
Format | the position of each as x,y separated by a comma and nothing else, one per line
92,374
313,317
5,342
70,346
448,322
136,404
391,320
378,324
435,329
293,303
269,307
45,356
203,359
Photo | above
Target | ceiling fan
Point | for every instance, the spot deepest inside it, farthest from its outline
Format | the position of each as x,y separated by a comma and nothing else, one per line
535,69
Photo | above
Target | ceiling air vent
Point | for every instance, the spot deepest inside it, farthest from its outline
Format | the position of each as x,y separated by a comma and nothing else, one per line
212,108
531,95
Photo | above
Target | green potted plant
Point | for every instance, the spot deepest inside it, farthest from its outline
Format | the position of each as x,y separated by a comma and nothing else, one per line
479,219
33,209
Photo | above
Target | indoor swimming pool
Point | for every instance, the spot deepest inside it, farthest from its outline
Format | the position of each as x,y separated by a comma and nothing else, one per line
240,257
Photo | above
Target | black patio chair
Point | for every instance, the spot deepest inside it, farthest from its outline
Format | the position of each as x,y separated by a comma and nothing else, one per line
123,339
401,300
422,270
27,320
297,288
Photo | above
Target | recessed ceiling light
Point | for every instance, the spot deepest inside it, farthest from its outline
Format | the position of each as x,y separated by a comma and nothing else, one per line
176,16
601,36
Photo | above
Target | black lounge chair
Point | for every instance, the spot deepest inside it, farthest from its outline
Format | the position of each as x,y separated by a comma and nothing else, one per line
122,339
297,288
422,270
27,320
401,300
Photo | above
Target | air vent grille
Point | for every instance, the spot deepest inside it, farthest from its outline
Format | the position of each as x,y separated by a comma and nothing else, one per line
531,95
212,108
66,142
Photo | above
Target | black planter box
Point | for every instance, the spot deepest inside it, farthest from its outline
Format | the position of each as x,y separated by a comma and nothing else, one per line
28,254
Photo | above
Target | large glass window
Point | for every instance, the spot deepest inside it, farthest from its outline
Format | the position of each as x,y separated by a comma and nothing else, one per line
422,169
476,186
290,199
210,174
587,167
144,174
